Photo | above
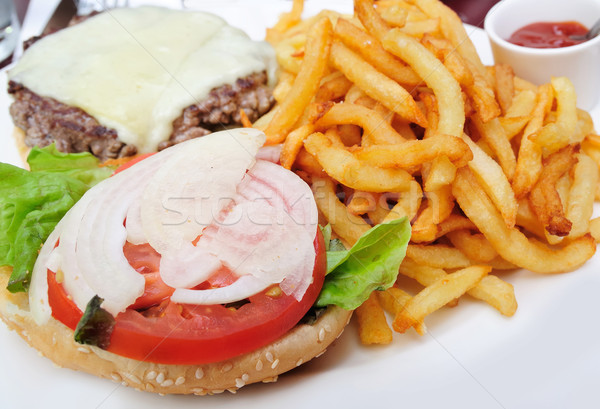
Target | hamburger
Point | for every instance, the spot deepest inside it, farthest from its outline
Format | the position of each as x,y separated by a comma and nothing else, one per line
139,284
138,80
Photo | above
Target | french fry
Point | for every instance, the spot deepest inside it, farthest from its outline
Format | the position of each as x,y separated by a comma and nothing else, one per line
376,129
375,84
374,53
362,202
346,225
394,15
491,289
529,161
292,145
439,207
580,205
435,75
286,20
454,222
441,173
445,51
333,89
306,83
494,135
504,85
438,294
286,80
393,300
421,28
544,198
289,52
372,324
474,246
372,21
408,203
414,153
518,114
510,243
309,164
437,255
494,182
595,229
344,167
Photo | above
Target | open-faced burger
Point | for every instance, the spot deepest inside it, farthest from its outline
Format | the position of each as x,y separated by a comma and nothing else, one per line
191,271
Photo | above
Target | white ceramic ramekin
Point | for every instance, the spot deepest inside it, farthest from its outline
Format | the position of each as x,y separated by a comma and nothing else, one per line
580,63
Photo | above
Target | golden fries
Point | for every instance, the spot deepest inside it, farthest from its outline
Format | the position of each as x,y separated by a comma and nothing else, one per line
438,294
399,117
306,83
372,324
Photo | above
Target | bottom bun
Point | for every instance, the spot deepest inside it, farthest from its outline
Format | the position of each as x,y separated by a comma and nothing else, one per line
22,148
55,341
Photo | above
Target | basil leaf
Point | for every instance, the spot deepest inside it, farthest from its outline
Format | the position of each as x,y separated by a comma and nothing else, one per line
95,326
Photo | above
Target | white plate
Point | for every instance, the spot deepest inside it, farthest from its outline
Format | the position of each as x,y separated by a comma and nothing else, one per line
546,356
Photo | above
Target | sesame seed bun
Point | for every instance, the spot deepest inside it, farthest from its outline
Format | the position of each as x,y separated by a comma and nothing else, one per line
23,149
55,341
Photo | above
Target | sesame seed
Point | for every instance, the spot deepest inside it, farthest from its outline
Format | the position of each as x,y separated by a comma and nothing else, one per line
269,356
245,377
321,335
83,350
239,382
227,367
232,390
275,363
321,353
327,327
151,375
299,362
180,380
149,387
160,378
217,391
198,391
133,378
259,365
167,382
199,373
116,376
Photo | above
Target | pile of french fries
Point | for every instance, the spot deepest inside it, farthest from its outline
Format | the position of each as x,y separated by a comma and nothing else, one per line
390,113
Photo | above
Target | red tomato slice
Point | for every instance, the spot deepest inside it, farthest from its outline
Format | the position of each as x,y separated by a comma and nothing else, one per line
133,161
191,334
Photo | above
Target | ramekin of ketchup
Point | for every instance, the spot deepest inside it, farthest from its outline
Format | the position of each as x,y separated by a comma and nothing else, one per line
533,37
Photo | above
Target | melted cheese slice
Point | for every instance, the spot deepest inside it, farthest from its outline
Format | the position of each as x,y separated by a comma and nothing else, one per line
136,69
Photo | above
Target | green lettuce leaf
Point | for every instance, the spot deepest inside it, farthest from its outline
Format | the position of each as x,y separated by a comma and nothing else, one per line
33,202
371,264
95,326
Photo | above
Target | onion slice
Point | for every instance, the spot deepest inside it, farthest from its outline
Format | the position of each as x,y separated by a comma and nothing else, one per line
268,235
253,217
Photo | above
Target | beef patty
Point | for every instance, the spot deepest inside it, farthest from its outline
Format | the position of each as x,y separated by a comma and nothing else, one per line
46,120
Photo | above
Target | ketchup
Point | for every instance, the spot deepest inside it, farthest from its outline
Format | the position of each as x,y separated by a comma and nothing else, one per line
548,34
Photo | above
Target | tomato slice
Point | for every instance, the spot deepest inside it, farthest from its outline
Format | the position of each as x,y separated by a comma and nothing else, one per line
173,333
133,161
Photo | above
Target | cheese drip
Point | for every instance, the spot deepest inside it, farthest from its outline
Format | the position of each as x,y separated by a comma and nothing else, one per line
136,69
